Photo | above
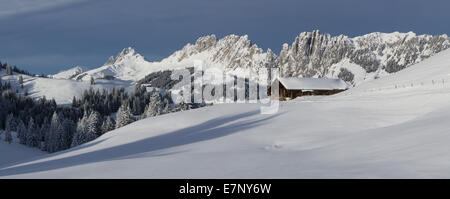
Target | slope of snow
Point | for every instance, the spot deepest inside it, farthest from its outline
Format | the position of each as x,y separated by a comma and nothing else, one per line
371,131
15,152
62,90
70,73
312,83
360,75
428,74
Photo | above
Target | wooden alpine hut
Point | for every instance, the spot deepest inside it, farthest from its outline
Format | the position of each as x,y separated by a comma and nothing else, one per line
292,87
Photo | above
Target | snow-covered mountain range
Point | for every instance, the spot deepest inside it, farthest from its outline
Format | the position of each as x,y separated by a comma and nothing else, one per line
231,53
312,54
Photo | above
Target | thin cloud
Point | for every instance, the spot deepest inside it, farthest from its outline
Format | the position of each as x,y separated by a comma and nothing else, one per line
9,8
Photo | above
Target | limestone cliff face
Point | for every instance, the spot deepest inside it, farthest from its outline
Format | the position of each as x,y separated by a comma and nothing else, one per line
313,54
232,52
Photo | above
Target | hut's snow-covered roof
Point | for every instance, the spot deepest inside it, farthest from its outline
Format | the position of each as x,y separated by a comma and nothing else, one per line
300,83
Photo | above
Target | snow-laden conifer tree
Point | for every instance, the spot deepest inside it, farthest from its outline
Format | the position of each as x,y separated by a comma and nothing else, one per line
85,130
94,123
10,123
45,128
22,132
32,134
155,106
80,134
124,116
69,131
108,125
55,141
8,136
21,81
8,70
182,106
167,107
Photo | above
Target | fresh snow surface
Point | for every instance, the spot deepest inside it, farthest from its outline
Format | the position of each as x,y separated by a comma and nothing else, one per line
62,90
70,73
15,152
312,83
391,127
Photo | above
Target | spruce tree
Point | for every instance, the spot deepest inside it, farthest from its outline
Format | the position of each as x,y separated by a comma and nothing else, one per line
74,102
83,133
22,132
80,132
8,136
94,123
21,81
8,70
9,123
155,107
55,140
43,132
32,134
69,131
124,116
108,125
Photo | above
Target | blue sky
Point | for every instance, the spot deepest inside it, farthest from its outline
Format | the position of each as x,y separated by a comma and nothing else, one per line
46,36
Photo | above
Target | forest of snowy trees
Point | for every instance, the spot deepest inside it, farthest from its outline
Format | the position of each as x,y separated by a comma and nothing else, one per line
42,124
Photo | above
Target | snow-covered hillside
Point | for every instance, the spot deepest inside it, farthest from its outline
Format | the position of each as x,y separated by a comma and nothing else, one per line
128,65
70,73
391,127
62,90
15,152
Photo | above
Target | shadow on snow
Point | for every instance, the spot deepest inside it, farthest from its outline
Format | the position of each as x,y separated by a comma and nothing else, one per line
208,130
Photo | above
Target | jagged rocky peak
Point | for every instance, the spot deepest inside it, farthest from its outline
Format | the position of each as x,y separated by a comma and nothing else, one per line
311,53
232,51
315,54
237,51
126,53
205,43
110,61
